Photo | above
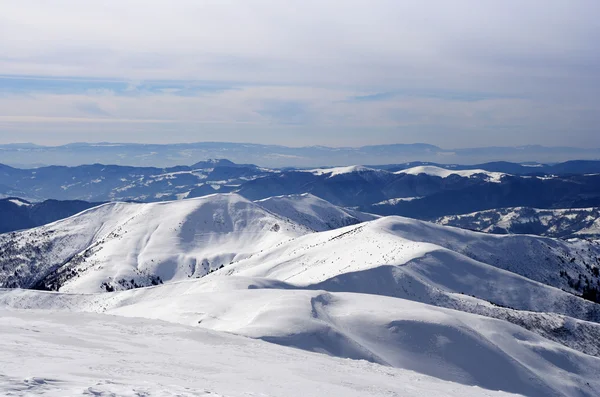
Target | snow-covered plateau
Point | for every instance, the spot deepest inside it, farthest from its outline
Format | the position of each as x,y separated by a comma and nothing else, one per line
291,295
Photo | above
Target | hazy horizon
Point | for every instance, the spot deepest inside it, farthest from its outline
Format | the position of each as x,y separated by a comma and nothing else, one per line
125,143
166,155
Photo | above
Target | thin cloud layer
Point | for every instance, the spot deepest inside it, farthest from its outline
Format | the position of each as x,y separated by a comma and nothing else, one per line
352,72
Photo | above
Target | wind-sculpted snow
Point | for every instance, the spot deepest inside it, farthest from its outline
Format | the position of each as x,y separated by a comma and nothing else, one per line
75,354
446,344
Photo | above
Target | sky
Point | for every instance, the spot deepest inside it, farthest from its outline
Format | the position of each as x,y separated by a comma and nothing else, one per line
458,73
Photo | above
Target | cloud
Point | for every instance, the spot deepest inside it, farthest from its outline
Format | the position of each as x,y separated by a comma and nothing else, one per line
386,70
91,108
286,112
380,96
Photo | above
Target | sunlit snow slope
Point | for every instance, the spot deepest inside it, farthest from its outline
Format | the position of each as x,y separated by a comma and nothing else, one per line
449,258
314,212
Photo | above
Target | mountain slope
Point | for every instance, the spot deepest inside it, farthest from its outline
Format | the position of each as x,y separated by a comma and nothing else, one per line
313,212
521,272
564,223
456,197
125,245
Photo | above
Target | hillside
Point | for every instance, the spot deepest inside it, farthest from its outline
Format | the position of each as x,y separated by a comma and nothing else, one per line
17,213
397,241
564,223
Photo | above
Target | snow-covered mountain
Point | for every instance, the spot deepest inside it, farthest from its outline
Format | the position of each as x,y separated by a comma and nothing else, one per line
509,313
351,169
447,267
125,245
575,222
445,173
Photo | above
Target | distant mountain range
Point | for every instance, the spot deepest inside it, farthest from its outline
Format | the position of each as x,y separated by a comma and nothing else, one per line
531,168
422,191
16,213
99,182
27,155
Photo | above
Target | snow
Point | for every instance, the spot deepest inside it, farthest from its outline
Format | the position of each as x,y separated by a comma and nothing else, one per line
395,201
251,301
406,258
313,212
19,202
181,196
74,354
127,244
444,173
342,170
591,230
412,336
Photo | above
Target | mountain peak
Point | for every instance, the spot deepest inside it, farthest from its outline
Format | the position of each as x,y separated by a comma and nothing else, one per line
210,163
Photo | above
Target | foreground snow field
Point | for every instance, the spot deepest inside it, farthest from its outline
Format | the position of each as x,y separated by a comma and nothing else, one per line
71,354
447,344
